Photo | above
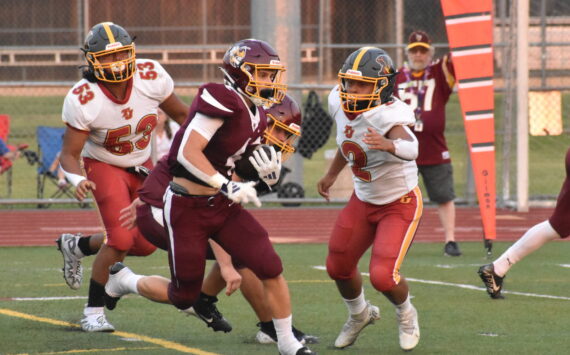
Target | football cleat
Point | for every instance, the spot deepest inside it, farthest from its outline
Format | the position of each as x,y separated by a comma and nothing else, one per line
408,329
451,249
301,351
305,351
355,324
114,288
209,313
94,320
72,269
493,282
268,335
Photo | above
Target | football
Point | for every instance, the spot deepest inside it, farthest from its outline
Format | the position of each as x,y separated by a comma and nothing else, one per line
243,167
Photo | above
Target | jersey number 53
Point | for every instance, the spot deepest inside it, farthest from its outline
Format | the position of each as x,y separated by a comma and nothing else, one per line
115,145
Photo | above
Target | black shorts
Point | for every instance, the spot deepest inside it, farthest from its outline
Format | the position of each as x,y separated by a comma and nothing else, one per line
438,180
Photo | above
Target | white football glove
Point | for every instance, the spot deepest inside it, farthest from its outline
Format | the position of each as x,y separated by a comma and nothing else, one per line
268,169
241,192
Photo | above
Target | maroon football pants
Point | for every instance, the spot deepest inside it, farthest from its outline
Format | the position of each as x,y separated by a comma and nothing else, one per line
559,219
191,220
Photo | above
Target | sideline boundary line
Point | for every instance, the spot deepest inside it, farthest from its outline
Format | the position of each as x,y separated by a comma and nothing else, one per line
466,286
161,342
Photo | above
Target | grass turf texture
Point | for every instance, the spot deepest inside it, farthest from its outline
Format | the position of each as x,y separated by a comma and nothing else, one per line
453,320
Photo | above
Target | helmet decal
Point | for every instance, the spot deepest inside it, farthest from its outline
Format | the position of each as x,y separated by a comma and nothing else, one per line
237,54
384,67
354,72
245,65
113,45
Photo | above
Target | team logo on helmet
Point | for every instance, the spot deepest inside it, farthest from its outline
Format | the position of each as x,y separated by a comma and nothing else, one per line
418,37
237,54
384,66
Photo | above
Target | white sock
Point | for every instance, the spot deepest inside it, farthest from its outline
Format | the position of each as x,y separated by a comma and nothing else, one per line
532,240
404,307
357,305
89,311
286,341
129,281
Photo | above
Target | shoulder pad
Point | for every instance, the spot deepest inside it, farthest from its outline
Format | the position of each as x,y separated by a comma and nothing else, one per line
216,100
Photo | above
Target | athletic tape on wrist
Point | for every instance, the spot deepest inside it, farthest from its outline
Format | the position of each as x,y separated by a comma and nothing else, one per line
217,180
74,179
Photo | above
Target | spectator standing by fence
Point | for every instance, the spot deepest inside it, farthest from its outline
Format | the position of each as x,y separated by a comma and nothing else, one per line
426,85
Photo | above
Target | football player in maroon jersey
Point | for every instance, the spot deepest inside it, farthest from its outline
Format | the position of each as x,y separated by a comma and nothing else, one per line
284,123
426,85
203,202
556,227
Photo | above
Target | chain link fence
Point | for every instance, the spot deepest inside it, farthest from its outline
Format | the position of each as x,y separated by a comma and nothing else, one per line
39,59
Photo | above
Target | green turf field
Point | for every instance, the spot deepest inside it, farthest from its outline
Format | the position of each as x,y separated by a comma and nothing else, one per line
454,319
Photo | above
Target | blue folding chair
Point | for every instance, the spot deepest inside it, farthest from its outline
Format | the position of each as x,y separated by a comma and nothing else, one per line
50,141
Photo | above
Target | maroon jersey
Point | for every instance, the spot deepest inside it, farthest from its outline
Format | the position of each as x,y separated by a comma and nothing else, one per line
155,184
559,219
427,93
241,128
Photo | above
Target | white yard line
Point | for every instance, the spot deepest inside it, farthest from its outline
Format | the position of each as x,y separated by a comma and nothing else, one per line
48,298
469,287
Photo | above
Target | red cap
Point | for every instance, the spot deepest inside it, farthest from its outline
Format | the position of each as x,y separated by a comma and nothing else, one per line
419,39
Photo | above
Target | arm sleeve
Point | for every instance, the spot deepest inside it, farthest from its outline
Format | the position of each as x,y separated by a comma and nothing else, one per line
206,127
406,150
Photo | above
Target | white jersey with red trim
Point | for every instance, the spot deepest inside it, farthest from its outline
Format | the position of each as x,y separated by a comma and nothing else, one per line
379,177
119,130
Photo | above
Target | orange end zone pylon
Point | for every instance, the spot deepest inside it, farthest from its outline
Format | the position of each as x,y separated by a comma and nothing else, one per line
470,32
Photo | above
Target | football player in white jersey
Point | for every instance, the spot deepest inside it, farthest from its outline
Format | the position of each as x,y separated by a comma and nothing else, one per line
374,138
110,115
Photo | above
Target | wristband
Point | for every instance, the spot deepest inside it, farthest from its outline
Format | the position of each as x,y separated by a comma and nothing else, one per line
217,180
74,179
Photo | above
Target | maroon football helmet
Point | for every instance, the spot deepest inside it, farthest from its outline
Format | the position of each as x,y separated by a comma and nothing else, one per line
283,126
241,66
